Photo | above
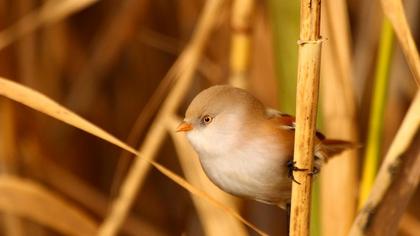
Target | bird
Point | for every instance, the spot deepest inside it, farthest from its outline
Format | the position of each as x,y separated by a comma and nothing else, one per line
247,149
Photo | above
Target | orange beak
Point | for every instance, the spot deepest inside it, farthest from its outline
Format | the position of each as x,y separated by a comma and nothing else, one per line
184,126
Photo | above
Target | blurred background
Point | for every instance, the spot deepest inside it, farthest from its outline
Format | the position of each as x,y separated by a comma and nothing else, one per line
119,64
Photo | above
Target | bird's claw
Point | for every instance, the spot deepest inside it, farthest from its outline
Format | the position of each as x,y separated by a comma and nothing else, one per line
291,165
314,171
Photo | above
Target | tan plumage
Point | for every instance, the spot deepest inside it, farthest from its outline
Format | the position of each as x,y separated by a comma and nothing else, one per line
245,148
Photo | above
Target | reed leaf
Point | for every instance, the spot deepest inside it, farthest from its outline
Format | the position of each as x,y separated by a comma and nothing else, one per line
376,122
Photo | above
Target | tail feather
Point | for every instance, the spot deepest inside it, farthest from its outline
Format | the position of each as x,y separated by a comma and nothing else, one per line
332,147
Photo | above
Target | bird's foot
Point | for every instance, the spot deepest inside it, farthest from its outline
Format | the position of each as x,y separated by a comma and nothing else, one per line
291,165
314,171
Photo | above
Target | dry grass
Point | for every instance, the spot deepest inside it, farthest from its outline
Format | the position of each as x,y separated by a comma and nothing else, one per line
394,10
183,70
45,105
52,11
30,200
390,166
186,68
108,60
75,188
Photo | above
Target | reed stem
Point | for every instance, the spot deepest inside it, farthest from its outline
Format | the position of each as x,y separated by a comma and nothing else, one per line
307,98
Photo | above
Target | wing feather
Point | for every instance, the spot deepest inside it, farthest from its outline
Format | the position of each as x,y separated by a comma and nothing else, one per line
287,121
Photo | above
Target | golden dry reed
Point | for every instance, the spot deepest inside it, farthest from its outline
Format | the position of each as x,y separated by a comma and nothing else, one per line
309,65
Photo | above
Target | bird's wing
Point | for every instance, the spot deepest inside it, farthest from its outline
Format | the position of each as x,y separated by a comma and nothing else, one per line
324,150
286,121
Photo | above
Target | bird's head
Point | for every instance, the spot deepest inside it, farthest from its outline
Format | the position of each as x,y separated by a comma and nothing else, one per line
218,117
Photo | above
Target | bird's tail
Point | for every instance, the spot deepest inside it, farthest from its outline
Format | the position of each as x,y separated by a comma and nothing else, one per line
333,147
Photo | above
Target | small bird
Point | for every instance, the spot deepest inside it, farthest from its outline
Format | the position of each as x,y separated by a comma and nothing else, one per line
246,149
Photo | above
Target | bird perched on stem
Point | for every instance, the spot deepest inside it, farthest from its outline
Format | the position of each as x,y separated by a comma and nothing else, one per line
246,149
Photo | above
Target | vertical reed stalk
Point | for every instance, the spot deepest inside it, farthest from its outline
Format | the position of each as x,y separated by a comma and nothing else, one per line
373,146
241,23
307,98
339,110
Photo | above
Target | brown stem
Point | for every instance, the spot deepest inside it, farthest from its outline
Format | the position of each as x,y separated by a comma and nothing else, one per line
306,101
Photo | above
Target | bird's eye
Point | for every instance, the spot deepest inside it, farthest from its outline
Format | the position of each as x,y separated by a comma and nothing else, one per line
206,119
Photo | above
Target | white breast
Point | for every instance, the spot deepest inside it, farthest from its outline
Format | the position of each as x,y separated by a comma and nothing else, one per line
250,171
